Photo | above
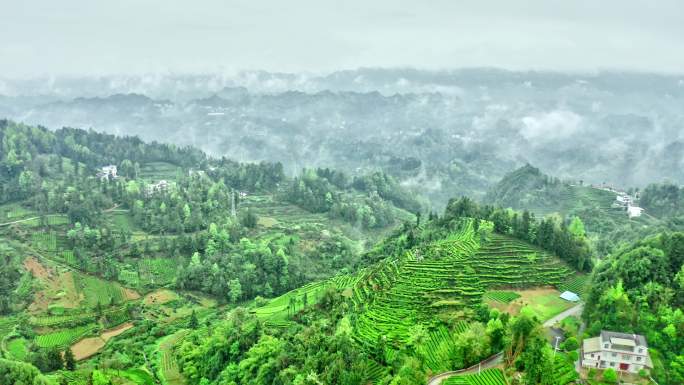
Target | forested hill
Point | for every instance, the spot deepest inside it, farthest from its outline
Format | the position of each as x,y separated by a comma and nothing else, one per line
608,224
103,235
640,289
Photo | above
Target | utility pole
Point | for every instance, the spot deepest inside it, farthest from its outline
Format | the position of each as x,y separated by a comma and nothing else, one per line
555,347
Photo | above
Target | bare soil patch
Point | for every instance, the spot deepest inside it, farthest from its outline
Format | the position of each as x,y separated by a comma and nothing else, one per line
36,268
130,294
88,347
160,297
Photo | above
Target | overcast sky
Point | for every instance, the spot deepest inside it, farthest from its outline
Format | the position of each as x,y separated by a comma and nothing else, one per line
135,36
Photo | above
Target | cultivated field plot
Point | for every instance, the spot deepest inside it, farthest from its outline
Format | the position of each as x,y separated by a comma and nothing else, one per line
278,310
564,370
578,284
97,291
502,296
169,371
13,212
48,220
46,241
487,377
507,262
544,302
56,320
155,171
87,347
157,271
65,337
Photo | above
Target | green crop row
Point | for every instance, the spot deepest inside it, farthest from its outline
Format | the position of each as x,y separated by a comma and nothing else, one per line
63,338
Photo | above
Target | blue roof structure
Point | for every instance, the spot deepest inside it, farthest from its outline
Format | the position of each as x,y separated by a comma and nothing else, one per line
570,296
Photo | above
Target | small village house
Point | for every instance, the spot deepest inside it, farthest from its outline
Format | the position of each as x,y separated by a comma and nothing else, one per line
620,351
159,187
106,172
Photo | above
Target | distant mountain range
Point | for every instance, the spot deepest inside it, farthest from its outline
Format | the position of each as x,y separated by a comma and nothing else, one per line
440,133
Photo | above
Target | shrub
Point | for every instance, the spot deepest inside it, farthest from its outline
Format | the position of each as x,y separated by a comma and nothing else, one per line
571,344
610,376
592,373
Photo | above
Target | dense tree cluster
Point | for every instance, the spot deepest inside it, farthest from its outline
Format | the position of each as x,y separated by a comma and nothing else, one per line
363,202
13,372
640,289
663,200
245,269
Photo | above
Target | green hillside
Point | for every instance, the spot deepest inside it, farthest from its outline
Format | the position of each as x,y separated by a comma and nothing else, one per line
436,287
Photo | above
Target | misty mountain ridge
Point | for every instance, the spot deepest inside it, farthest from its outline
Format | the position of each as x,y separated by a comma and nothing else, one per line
441,133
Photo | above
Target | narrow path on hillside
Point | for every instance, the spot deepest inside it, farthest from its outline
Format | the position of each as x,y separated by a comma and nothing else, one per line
486,364
573,311
19,221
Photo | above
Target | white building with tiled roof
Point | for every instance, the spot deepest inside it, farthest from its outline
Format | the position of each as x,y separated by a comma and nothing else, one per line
620,351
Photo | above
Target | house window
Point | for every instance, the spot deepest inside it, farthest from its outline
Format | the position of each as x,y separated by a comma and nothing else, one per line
641,350
592,355
638,358
612,364
613,354
605,346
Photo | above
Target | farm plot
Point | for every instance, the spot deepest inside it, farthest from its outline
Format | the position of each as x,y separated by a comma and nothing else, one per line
88,347
507,262
168,367
487,377
278,310
157,271
97,291
44,241
398,294
564,370
158,170
502,296
13,212
577,284
56,320
65,337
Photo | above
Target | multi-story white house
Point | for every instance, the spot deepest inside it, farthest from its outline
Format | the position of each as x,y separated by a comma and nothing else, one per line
620,351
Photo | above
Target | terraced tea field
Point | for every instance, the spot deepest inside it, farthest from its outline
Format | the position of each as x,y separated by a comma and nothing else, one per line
577,284
157,271
63,338
502,296
448,282
564,370
506,263
169,372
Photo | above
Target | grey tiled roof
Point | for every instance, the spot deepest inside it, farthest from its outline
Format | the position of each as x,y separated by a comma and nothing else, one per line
637,338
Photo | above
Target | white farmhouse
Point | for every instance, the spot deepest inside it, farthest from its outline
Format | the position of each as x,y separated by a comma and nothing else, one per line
620,351
161,186
634,211
107,171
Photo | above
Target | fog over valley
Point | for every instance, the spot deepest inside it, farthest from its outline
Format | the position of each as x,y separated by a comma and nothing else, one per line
441,133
